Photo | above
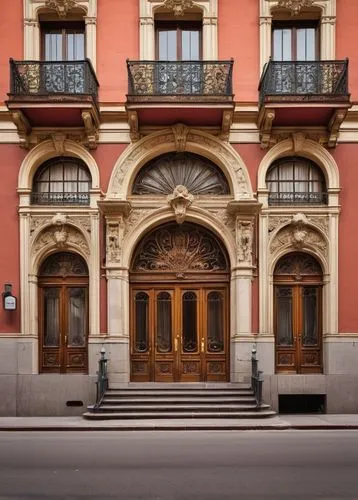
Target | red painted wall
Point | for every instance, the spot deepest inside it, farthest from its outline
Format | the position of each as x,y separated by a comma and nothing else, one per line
346,41
11,41
117,40
12,157
251,155
346,157
238,26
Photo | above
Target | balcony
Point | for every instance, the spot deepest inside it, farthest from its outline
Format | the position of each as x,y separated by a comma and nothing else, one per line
303,94
167,92
297,198
61,198
54,94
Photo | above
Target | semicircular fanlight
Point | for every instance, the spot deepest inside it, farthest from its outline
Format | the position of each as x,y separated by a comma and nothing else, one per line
199,175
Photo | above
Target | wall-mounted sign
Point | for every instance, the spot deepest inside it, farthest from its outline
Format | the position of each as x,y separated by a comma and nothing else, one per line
9,303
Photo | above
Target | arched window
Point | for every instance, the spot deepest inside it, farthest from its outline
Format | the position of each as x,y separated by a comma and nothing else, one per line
199,175
295,180
62,181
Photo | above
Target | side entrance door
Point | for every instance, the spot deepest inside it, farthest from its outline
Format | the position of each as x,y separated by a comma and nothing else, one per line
179,333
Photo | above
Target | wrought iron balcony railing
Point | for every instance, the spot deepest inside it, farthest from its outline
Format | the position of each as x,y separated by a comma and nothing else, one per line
305,80
49,78
294,198
180,78
60,198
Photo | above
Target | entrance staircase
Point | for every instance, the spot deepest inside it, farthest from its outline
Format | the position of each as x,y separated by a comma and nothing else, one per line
178,401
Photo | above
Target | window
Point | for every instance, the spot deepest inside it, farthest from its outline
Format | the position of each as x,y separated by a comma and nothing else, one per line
295,42
178,42
63,42
295,181
62,181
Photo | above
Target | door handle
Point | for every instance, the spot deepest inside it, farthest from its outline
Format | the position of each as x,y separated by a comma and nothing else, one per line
202,344
66,340
176,343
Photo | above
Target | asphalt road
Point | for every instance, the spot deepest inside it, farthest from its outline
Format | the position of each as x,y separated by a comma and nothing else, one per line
243,465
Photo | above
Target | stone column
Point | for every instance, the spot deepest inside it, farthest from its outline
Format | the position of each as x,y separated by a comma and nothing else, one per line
147,45
210,38
31,40
91,40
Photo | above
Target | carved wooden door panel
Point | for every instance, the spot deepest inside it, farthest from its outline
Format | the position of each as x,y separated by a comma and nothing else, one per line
179,334
63,314
63,326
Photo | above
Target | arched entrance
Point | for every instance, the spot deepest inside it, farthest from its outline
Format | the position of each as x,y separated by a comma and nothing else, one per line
298,314
63,314
179,306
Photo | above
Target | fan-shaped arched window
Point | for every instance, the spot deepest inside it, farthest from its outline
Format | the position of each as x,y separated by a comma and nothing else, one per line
295,180
199,175
62,181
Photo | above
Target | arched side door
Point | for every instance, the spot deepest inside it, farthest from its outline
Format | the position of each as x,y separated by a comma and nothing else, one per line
298,314
63,314
179,307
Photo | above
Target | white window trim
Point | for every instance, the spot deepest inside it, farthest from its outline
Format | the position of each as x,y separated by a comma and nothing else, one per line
328,29
32,28
147,10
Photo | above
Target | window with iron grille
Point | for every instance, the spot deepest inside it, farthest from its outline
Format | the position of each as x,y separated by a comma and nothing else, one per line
62,181
295,180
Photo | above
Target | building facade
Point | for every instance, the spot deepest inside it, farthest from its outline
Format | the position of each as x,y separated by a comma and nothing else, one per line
178,187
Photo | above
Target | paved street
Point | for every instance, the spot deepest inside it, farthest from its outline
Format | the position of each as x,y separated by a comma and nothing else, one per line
253,465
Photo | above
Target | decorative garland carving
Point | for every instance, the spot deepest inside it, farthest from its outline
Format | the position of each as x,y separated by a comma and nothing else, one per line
178,6
62,7
36,222
180,249
295,6
63,237
320,221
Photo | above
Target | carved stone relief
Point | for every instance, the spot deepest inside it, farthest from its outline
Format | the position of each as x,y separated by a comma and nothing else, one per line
62,237
36,222
225,218
320,221
180,200
62,7
134,218
299,235
295,6
115,233
244,239
180,132
178,6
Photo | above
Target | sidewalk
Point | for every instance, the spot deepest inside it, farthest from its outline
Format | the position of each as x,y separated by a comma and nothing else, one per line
279,422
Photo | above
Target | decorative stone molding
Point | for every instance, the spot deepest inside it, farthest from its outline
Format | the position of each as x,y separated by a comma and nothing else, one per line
299,236
62,7
276,222
225,218
294,6
178,6
91,129
133,125
180,200
64,237
197,141
38,222
180,132
23,128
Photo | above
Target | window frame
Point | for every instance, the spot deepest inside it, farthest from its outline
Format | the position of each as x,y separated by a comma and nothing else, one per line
180,27
63,28
294,26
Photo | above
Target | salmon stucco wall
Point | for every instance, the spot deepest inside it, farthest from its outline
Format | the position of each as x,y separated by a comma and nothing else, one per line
346,157
346,40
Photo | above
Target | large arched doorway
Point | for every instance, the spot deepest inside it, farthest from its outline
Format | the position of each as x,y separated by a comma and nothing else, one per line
63,314
298,314
179,306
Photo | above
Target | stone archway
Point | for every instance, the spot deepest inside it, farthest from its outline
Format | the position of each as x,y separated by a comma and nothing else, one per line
179,306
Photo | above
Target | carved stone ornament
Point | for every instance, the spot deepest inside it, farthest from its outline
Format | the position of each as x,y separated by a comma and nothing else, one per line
115,233
299,235
295,6
244,238
178,6
180,132
59,219
64,237
180,249
180,200
62,7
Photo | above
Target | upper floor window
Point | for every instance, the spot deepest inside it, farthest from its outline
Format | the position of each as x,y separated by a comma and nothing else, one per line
295,42
178,41
62,181
63,42
295,181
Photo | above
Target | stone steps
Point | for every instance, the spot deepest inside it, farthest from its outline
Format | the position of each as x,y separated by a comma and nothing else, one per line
178,401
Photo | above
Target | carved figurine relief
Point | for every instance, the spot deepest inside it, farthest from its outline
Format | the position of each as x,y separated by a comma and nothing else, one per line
244,239
178,6
180,200
62,237
115,233
295,6
62,7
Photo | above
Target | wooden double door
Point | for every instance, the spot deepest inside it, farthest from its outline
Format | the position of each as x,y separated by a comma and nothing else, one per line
179,333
